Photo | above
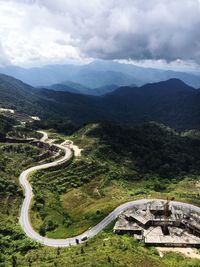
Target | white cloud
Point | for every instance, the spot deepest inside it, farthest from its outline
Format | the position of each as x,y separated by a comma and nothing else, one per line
46,31
4,59
29,34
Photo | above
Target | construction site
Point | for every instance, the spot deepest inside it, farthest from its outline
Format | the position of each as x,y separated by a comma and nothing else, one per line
161,223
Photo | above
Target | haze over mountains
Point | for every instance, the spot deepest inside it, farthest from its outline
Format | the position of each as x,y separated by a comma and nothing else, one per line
97,74
171,102
99,108
77,88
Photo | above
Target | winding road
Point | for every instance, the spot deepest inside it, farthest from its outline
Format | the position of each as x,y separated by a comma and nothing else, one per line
24,214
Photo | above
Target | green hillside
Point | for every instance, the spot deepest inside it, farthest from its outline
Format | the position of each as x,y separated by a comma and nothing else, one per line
170,102
5,126
118,164
70,200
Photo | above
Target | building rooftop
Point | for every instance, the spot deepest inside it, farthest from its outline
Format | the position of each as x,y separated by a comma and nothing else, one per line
158,226
123,224
176,236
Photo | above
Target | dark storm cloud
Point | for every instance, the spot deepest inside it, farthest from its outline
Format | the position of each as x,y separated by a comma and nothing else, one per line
121,29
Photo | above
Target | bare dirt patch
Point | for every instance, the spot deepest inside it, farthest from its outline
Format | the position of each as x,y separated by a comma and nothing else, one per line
76,149
187,252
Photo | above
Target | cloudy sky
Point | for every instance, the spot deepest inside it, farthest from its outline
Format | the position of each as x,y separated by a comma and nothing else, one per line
159,32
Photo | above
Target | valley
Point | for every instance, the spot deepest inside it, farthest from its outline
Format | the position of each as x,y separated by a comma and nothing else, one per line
99,133
114,164
170,102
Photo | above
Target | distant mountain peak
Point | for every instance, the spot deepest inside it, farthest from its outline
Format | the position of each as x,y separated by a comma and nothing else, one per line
171,102
171,85
174,81
96,74
164,87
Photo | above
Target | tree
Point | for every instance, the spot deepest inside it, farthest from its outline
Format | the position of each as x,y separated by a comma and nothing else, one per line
14,261
42,231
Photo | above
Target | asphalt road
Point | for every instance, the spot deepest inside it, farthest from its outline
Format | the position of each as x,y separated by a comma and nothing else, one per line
24,214
44,136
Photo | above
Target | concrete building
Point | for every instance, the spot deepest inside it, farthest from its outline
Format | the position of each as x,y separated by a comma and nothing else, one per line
160,224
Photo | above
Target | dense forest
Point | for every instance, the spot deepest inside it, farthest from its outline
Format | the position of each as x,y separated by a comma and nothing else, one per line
5,126
121,162
170,102
13,159
99,133
152,147
148,157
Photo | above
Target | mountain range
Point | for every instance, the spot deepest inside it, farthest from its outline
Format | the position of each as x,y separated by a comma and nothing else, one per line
96,74
171,102
80,89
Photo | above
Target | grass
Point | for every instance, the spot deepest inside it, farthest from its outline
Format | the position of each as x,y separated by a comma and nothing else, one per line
188,190
14,159
82,194
76,198
106,249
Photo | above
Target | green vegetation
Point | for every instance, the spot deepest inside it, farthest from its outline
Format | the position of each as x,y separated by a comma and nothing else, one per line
60,125
130,105
104,250
13,159
152,147
115,167
118,164
23,132
5,126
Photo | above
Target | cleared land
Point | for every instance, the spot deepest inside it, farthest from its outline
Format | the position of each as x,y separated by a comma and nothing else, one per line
82,194
106,249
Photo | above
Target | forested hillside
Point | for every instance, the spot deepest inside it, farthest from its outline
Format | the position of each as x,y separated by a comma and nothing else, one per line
171,102
152,147
5,126
99,133
118,164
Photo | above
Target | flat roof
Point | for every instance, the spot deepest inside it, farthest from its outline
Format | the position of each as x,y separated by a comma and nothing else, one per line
154,235
124,225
